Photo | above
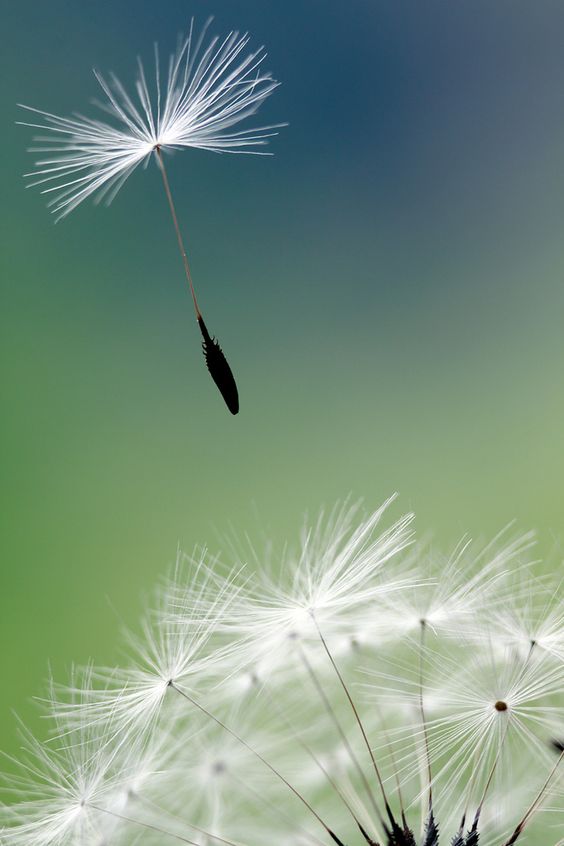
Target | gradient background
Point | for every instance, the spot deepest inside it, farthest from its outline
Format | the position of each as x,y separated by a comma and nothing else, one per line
388,288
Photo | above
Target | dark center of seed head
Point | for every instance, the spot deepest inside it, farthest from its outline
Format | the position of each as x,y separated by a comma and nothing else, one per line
500,705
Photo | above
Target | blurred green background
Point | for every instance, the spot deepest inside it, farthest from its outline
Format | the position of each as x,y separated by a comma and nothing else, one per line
388,288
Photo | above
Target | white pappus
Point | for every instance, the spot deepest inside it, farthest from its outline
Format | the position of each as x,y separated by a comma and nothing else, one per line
241,716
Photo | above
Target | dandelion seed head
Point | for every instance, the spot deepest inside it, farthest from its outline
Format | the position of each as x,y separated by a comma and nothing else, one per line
265,702
212,84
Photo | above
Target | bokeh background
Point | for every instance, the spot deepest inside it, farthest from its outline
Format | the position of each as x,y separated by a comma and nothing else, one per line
388,288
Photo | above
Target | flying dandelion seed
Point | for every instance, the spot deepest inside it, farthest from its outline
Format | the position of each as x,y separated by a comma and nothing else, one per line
209,89
357,690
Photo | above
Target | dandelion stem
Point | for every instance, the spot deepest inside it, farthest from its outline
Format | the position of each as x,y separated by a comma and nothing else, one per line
312,754
174,817
216,361
275,808
340,730
534,804
358,720
147,825
177,230
422,713
254,752
390,749
331,781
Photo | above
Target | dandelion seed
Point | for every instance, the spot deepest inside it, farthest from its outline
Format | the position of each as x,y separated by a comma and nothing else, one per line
328,585
453,592
209,89
532,613
165,658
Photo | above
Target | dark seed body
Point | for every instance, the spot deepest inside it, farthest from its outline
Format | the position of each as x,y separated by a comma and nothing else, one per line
431,831
219,369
